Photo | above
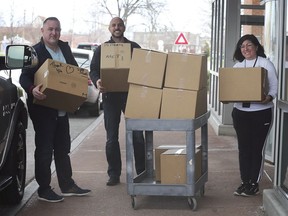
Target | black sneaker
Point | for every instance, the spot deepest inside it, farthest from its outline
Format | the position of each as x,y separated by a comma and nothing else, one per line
253,189
50,196
75,191
113,181
240,190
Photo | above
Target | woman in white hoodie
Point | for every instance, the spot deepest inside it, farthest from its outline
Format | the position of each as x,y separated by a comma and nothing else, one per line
252,121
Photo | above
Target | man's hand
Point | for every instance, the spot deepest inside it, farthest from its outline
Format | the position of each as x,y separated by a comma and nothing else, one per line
37,93
99,86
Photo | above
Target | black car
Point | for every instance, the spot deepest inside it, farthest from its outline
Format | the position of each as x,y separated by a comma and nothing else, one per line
88,46
13,125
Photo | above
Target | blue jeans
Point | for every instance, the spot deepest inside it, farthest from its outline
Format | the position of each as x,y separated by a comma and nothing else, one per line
113,106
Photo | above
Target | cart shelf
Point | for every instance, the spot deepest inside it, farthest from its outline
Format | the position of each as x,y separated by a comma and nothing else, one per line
145,184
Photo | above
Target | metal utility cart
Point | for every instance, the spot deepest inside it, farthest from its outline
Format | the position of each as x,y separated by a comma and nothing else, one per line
145,184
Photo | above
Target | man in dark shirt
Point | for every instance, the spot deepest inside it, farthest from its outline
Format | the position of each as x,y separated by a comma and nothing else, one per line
52,135
113,105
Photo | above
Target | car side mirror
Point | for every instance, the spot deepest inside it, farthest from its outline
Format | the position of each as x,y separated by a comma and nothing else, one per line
20,56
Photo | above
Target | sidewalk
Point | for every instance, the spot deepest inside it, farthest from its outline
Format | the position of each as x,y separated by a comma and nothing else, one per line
89,170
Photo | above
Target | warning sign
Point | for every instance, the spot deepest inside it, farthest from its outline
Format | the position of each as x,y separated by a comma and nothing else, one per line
181,39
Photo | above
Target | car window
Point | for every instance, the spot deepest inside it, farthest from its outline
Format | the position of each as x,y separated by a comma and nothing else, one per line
82,60
87,46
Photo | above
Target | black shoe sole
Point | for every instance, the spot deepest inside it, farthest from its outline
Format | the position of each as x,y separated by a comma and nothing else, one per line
51,201
75,194
248,195
237,194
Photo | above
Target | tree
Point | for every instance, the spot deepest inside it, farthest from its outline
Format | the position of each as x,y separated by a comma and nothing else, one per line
148,9
206,17
2,21
124,8
151,12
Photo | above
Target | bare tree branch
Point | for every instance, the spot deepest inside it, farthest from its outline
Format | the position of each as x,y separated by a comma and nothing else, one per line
148,9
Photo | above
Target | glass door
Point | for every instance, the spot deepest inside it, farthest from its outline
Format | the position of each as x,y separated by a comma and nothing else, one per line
282,142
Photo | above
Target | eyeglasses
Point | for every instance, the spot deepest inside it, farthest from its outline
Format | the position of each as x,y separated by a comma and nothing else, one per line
249,45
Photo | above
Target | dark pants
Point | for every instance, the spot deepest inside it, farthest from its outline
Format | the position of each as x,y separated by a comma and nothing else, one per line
252,129
113,106
52,137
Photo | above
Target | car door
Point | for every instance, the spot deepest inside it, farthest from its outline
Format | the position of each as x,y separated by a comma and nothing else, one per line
8,96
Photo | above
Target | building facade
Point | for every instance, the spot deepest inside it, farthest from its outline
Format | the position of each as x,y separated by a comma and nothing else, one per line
268,20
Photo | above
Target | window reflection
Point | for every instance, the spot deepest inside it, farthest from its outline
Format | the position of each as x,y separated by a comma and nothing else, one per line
286,70
284,96
284,161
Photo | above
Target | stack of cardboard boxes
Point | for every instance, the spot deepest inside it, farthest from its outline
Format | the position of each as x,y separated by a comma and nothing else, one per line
161,85
168,86
146,76
185,87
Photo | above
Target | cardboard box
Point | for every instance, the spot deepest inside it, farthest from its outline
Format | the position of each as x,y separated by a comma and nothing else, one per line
157,153
147,68
241,84
174,166
143,102
115,64
186,71
183,104
65,85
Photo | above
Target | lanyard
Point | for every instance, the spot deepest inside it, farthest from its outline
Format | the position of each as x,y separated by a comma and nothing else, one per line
253,64
247,104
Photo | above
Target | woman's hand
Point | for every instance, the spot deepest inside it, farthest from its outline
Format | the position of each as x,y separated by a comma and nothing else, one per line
267,99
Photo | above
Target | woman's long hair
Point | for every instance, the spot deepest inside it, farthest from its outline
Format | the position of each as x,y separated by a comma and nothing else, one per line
238,54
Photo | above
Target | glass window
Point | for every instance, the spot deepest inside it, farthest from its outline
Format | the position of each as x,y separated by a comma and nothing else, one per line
284,153
82,60
271,46
283,93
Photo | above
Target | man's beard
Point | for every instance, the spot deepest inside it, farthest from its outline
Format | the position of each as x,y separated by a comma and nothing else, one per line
117,35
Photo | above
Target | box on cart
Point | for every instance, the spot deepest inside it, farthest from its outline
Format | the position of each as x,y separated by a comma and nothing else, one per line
186,71
115,64
147,68
241,84
157,153
183,104
143,102
65,85
174,166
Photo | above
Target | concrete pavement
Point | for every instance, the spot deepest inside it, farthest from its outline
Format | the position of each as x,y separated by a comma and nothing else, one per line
89,170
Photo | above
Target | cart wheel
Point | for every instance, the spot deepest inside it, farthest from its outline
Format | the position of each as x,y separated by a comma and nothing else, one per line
133,202
192,202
